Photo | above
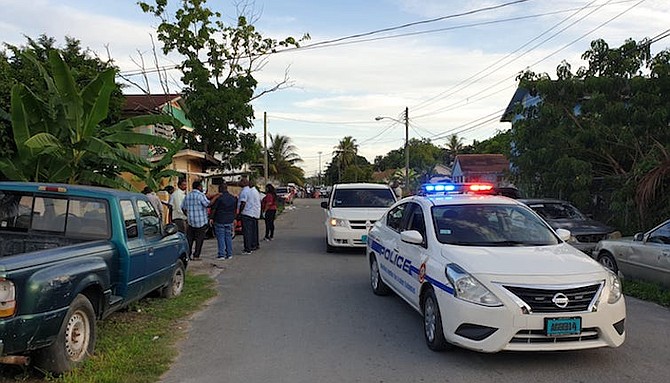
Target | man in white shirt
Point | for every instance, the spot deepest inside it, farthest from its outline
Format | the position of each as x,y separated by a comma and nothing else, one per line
177,216
249,208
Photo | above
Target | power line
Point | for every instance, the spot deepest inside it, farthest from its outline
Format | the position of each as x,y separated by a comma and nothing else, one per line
467,83
403,26
447,93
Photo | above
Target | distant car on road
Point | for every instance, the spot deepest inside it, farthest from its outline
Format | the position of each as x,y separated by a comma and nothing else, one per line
285,194
645,256
585,231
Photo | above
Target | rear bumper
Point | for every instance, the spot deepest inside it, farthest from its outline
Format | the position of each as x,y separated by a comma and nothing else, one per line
26,333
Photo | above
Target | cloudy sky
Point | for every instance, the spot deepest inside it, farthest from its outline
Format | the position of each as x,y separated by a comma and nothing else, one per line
455,73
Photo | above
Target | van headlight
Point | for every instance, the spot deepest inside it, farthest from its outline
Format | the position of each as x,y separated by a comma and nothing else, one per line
615,287
338,222
467,288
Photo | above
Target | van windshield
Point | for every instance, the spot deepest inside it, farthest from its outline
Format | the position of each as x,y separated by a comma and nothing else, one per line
363,198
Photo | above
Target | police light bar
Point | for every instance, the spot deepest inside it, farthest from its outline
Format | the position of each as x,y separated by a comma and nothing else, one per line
455,188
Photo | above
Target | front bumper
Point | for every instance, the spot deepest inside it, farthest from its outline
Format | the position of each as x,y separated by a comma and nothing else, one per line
516,331
22,334
345,237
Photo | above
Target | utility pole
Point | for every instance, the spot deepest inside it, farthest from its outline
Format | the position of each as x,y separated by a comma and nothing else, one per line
320,168
265,147
407,151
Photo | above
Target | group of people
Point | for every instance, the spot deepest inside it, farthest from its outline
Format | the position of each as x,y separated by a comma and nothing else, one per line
194,212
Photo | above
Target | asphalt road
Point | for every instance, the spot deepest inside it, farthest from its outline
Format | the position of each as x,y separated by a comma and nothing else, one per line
291,312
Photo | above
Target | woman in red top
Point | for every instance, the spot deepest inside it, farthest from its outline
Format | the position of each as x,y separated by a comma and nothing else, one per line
269,206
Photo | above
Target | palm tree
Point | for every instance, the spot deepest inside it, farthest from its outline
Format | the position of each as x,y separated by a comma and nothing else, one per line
454,146
345,154
282,158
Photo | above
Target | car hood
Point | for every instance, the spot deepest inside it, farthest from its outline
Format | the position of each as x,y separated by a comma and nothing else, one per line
585,226
357,213
555,260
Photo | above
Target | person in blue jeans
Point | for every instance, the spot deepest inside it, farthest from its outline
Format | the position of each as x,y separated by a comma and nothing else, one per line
223,217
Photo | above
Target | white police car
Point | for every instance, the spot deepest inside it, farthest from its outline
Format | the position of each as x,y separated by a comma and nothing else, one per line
488,274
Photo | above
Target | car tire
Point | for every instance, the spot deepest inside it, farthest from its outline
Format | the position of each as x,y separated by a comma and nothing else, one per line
376,282
329,248
432,323
75,340
606,259
175,286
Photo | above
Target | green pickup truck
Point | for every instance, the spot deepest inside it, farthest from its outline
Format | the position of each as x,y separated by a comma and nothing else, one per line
70,255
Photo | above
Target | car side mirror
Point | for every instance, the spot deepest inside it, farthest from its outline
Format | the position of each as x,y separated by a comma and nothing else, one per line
564,234
324,204
639,237
170,229
411,236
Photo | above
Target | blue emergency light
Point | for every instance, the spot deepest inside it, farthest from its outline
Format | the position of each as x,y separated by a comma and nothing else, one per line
448,187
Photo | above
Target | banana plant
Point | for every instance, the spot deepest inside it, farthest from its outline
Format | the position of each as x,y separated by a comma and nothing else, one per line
59,137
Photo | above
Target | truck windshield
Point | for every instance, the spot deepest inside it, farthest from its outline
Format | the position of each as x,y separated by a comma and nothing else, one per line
74,217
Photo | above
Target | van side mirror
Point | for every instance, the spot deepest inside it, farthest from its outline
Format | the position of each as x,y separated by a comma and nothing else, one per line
324,204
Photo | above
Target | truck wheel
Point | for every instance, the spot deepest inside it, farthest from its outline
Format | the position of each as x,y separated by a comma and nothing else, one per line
75,340
176,283
432,323
378,286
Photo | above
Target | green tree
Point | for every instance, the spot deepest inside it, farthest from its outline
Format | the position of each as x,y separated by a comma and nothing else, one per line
59,137
282,160
344,155
599,137
218,67
15,68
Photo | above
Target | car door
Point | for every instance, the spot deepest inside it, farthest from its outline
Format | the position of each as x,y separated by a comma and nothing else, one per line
159,252
414,255
389,251
136,263
654,256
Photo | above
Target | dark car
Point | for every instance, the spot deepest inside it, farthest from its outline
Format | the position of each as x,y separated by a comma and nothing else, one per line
586,232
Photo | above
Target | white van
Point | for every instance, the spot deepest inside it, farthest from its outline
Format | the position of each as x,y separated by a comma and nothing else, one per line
351,210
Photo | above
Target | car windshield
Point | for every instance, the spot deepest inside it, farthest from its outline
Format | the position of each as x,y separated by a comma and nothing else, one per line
490,225
556,210
281,190
363,198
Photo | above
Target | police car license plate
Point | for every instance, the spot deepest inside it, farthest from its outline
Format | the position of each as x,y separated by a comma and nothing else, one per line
562,326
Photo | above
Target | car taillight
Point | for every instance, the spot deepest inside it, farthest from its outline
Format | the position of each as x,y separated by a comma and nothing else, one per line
7,298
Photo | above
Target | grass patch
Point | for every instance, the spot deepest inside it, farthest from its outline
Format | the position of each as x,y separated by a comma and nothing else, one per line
647,291
136,345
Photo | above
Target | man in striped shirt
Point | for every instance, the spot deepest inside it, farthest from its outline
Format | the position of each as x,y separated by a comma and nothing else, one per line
195,207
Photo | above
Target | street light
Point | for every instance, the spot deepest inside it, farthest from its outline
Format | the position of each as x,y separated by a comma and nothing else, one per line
379,118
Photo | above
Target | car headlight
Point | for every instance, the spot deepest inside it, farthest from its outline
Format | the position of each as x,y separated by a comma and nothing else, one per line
7,298
467,288
615,287
338,222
